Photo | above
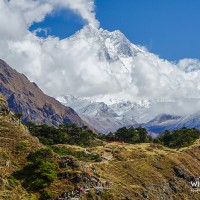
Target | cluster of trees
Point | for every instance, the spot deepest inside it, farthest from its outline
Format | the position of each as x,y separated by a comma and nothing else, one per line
64,134
40,171
128,135
178,138
71,134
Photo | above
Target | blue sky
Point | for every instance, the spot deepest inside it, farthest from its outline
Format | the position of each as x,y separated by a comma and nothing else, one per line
169,28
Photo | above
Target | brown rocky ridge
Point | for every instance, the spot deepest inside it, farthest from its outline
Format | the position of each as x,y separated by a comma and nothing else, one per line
27,98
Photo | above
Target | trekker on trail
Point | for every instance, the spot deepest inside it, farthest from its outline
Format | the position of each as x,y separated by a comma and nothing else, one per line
85,187
64,194
66,175
72,193
7,163
107,184
96,184
94,169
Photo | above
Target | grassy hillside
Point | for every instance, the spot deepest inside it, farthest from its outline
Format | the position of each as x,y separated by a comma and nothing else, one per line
149,171
127,171
15,145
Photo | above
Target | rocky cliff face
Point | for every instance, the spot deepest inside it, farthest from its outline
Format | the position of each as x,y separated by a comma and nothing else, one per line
27,98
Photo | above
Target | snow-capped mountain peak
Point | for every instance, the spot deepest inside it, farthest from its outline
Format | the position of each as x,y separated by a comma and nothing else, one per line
113,45
121,83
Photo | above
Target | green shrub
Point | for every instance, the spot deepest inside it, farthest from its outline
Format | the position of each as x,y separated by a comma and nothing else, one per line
46,170
39,184
41,154
5,155
12,181
62,151
41,169
22,145
46,194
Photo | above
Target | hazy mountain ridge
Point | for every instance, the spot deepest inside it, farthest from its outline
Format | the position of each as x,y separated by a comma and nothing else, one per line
97,114
170,122
110,117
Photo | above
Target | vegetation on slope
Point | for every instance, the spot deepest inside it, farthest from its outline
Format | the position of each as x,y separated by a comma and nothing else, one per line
71,134
179,138
134,171
40,170
129,135
80,155
64,134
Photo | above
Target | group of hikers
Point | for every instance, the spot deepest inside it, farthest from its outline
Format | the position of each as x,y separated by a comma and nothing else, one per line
80,190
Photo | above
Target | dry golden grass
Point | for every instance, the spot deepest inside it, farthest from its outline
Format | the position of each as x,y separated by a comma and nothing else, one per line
141,168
